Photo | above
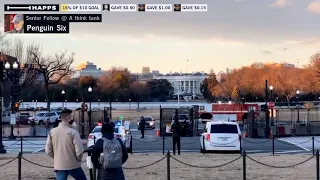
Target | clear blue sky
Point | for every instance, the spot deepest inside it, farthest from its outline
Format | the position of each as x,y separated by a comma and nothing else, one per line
231,34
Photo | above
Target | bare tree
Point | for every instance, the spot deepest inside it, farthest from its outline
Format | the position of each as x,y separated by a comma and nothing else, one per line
52,68
25,76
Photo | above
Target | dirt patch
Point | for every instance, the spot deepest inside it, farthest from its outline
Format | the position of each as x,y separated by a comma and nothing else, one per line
179,171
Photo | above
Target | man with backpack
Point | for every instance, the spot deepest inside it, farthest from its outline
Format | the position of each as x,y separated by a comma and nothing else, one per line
108,155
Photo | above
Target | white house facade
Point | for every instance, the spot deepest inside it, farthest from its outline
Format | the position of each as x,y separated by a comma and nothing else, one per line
185,83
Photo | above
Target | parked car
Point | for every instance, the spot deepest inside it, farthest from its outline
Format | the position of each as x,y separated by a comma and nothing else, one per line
57,109
42,117
23,118
220,136
41,109
5,117
150,122
30,109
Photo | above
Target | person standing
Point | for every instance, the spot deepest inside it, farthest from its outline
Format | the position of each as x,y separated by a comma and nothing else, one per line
64,145
176,129
108,155
142,125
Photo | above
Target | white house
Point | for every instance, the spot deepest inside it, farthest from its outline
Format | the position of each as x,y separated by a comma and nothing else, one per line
185,83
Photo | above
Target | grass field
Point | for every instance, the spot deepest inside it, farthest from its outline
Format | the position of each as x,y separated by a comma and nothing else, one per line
233,171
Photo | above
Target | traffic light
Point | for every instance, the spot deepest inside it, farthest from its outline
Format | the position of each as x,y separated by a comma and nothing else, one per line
16,107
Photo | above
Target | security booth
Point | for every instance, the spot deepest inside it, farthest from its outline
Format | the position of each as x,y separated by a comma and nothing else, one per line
251,124
194,118
185,115
165,120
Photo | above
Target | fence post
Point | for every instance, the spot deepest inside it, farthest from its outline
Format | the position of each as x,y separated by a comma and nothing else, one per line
19,165
94,173
163,144
90,165
313,145
21,148
203,145
168,165
273,145
244,165
317,157
240,144
131,144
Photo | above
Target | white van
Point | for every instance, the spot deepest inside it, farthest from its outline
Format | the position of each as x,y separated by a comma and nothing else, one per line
220,136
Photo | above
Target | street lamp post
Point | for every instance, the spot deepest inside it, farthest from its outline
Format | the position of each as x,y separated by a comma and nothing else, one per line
63,95
271,89
12,76
90,115
298,93
99,103
2,149
266,110
129,104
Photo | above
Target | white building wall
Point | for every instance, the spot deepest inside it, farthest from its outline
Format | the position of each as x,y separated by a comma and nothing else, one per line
184,83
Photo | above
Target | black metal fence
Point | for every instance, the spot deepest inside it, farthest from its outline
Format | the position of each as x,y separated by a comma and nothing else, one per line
166,117
20,158
271,142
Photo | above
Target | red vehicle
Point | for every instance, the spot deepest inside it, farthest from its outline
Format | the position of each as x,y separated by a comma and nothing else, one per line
220,111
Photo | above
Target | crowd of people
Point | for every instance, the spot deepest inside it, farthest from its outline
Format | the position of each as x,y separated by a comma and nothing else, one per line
65,146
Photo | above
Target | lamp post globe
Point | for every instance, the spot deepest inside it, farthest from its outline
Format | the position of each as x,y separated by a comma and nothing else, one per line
15,65
63,92
271,88
89,89
7,65
298,92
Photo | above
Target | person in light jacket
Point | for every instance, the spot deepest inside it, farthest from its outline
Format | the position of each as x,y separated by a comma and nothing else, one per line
64,145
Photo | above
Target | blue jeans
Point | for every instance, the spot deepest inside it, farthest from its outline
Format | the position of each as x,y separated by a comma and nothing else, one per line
77,174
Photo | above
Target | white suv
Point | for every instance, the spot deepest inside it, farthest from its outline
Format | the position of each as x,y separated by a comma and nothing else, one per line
42,117
220,136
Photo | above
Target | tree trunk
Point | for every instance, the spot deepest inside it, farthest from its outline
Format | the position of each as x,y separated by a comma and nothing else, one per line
47,95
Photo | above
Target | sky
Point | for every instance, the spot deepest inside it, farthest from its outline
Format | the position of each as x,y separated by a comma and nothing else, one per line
233,33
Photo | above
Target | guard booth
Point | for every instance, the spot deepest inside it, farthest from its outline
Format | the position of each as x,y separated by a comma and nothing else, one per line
251,124
187,116
107,113
194,117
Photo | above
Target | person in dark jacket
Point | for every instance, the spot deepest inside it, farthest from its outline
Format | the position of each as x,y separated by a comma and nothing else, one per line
142,125
107,173
176,129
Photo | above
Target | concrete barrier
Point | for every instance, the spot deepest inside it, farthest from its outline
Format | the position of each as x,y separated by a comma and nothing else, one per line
301,129
24,131
314,128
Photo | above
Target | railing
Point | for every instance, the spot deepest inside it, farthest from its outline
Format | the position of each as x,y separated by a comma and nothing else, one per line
168,158
272,141
21,141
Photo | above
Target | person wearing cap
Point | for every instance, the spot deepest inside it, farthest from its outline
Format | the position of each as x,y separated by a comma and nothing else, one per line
18,23
64,145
